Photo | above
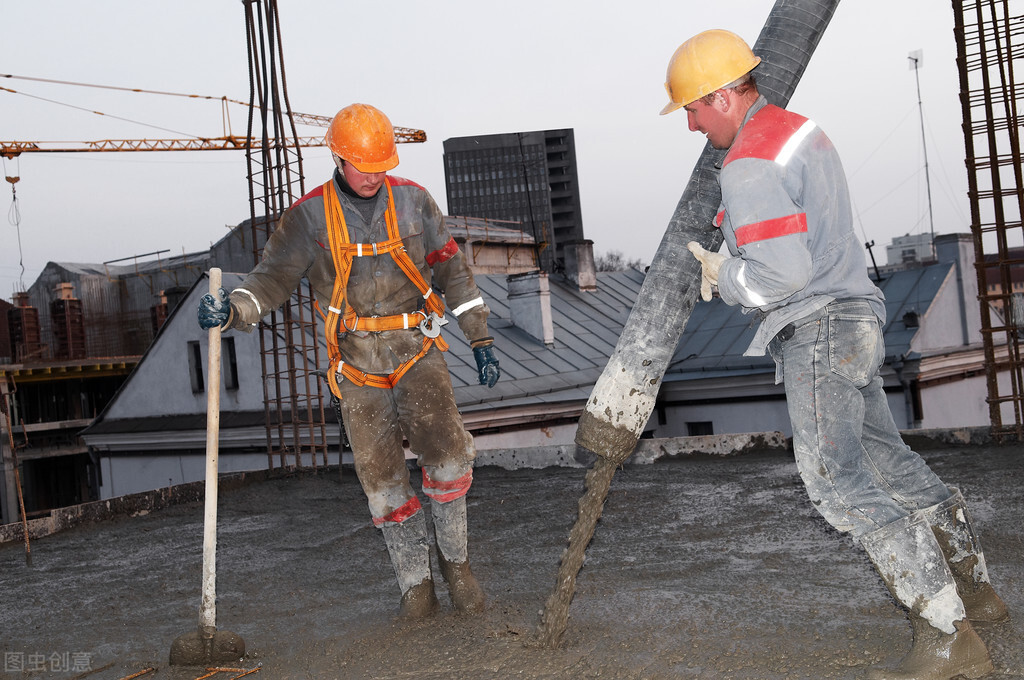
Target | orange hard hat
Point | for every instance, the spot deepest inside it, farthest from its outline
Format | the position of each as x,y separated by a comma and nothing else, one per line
706,62
363,136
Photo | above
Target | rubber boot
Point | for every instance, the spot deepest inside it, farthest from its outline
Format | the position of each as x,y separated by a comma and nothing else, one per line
951,524
910,561
410,556
453,555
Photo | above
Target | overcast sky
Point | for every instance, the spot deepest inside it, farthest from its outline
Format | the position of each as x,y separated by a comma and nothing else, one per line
451,68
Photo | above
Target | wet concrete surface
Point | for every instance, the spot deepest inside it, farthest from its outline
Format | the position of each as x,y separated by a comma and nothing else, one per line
701,567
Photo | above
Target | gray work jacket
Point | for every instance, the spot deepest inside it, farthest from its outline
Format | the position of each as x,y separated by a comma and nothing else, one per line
786,219
300,248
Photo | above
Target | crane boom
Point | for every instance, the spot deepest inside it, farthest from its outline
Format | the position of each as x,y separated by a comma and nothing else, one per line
225,143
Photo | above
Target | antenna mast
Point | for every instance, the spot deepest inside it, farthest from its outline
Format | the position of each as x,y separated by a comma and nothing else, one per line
916,57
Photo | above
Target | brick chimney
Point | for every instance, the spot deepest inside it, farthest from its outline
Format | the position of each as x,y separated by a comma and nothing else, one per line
67,323
23,327
529,302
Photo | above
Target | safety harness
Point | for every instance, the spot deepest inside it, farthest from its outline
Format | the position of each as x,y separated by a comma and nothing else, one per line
429,319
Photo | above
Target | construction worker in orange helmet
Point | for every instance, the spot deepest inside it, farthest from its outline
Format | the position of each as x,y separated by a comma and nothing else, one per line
363,136
376,251
794,260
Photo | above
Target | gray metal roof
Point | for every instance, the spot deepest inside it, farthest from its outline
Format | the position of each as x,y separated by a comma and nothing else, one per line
717,334
587,326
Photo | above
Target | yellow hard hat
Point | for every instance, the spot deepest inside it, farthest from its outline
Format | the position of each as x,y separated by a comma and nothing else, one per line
363,136
706,62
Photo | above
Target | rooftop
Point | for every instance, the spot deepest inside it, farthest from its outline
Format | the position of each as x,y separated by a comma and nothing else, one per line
701,567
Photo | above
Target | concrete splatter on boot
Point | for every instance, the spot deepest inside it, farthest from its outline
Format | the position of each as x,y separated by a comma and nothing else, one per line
450,528
410,556
909,559
951,524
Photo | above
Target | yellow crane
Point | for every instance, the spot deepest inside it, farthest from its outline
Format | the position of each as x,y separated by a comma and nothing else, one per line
225,142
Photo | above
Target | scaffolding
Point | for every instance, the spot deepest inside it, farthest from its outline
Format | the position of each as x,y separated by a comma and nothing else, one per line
989,45
294,409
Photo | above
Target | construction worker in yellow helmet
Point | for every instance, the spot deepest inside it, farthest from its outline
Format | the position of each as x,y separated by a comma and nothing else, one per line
375,250
794,261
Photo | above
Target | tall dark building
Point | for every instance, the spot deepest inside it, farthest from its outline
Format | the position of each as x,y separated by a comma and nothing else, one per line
527,177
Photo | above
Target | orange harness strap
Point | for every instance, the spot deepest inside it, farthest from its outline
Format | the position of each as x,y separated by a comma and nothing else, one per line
343,251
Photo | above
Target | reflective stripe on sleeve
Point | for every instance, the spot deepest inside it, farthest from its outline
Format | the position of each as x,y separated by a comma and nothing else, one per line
741,279
466,306
443,254
780,226
259,308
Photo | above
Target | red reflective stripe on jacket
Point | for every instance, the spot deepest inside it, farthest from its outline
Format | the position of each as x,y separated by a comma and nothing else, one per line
447,491
444,254
400,514
780,226
719,218
319,191
765,134
403,182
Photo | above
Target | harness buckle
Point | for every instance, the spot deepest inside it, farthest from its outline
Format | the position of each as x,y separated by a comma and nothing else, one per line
431,324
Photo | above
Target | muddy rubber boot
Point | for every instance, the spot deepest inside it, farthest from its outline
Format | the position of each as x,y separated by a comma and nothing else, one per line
951,524
910,561
410,556
450,529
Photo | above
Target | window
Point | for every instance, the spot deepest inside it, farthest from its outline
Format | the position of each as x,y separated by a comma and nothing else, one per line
228,364
700,428
195,367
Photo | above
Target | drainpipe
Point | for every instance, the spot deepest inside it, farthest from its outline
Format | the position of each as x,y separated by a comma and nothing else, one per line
623,398
908,369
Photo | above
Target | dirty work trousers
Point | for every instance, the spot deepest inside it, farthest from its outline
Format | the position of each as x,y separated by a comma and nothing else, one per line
859,473
421,409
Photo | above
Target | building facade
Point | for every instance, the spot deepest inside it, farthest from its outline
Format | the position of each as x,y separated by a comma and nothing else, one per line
524,177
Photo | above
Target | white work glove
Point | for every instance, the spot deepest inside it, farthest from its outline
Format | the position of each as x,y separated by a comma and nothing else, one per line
710,263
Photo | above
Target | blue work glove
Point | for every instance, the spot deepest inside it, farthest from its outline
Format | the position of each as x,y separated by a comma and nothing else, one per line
214,312
486,364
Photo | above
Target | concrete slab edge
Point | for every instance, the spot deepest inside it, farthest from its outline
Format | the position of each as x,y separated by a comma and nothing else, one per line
650,450
538,457
130,505
646,452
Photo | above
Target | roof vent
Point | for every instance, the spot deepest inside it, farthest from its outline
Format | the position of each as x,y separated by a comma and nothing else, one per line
911,320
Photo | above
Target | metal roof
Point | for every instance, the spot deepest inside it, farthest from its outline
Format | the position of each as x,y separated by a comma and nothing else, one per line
587,326
717,334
